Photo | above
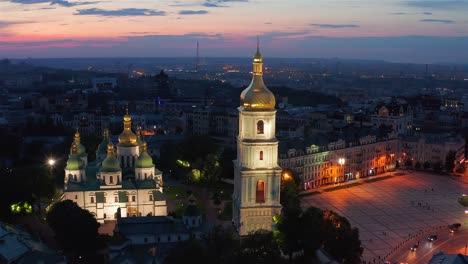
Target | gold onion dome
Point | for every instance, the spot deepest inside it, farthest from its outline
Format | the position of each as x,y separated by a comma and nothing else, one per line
127,138
81,150
257,96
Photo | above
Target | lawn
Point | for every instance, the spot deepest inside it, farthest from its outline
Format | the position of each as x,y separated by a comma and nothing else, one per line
175,192
223,190
226,214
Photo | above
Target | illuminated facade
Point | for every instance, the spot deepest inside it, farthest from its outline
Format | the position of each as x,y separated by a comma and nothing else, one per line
124,178
398,115
341,161
257,176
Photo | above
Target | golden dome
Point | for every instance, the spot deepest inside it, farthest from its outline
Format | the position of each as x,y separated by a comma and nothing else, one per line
127,138
257,96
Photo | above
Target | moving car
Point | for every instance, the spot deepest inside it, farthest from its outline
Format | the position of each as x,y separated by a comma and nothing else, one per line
414,247
454,227
432,238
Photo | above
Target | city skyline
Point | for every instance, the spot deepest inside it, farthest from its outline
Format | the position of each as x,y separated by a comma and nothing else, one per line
398,31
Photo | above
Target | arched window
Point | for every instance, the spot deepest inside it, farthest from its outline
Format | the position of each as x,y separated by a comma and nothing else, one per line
261,155
74,177
260,194
260,127
111,179
92,199
146,176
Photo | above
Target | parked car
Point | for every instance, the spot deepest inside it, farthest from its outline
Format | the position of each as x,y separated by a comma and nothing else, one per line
432,238
414,247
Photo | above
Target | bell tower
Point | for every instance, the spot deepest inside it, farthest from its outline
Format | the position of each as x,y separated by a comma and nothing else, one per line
257,176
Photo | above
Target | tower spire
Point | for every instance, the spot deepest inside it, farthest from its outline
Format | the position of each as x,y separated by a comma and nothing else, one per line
258,44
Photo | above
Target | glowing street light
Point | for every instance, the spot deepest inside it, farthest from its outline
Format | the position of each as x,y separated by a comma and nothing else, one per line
342,161
51,162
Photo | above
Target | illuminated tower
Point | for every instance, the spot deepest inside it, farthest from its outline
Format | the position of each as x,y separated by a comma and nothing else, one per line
257,176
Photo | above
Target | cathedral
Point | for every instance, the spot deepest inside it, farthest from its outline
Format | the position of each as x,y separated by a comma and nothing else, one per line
257,176
123,177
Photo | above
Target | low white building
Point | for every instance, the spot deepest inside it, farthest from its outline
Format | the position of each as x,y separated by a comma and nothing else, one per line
125,179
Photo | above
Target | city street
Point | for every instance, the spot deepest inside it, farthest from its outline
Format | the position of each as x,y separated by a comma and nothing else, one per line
397,212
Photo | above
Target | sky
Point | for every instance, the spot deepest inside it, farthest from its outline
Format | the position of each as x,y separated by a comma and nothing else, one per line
420,31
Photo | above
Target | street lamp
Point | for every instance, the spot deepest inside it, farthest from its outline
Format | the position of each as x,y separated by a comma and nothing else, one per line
51,162
341,161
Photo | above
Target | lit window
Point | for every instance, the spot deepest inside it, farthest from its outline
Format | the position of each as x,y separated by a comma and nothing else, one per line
260,193
261,155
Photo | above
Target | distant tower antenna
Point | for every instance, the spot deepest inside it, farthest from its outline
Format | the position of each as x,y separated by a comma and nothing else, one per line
198,57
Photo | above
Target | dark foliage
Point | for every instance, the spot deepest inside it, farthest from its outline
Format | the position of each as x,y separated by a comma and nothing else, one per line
76,232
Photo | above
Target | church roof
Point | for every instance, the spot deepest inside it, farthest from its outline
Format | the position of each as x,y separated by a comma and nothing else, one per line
144,160
110,163
74,161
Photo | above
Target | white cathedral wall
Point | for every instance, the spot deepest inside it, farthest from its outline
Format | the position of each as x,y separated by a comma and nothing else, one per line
131,152
140,173
80,175
248,124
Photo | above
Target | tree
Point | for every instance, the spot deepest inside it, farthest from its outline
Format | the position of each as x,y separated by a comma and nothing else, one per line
187,252
426,165
437,166
339,239
76,231
417,165
259,247
408,163
450,161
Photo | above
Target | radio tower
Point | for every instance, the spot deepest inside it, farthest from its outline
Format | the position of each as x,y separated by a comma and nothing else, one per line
198,57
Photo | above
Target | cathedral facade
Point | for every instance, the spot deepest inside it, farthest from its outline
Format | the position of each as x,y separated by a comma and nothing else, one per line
122,177
257,176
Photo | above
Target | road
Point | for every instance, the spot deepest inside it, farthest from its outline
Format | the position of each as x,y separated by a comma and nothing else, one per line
447,242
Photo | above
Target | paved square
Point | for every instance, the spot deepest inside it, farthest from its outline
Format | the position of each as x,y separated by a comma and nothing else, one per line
400,206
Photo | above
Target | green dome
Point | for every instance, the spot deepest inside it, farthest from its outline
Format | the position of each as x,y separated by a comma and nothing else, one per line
192,210
74,162
102,148
144,161
110,164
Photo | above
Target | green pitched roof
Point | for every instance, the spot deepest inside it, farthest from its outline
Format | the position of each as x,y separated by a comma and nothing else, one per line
74,162
144,161
159,196
110,164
